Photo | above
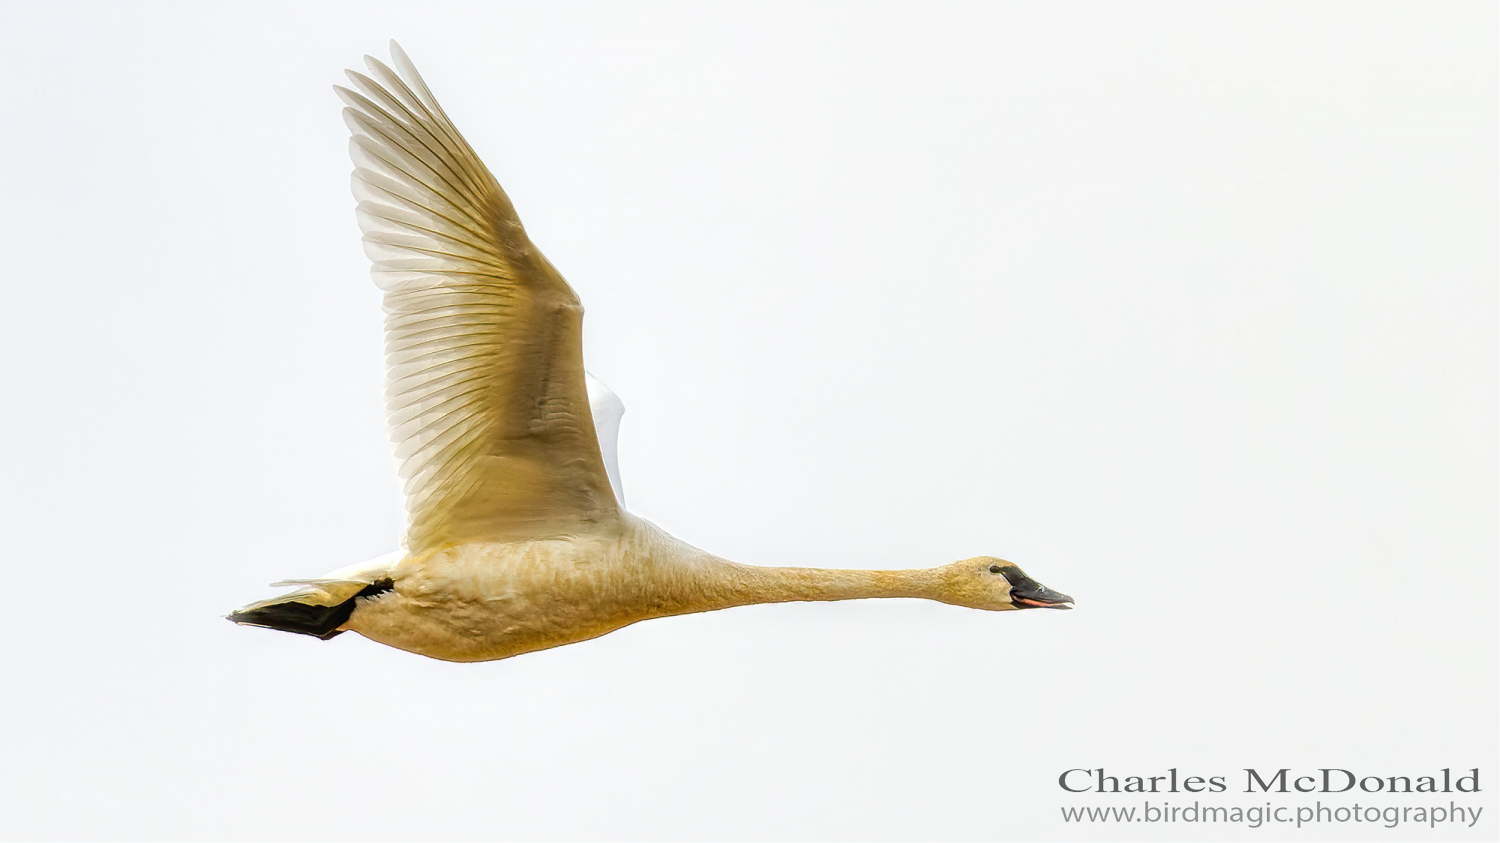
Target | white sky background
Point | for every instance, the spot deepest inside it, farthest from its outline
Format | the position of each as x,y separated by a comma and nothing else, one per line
1189,309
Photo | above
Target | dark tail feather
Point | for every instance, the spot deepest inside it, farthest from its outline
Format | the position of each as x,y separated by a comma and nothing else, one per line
321,622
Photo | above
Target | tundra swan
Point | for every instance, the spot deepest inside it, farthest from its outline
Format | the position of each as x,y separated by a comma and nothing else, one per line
517,538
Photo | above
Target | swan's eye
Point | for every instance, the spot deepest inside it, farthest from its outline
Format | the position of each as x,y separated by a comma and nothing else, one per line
994,569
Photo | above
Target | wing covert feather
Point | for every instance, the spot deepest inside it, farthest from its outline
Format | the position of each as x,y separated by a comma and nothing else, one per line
486,401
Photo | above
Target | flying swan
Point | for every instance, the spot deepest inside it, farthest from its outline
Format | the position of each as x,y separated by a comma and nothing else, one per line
517,537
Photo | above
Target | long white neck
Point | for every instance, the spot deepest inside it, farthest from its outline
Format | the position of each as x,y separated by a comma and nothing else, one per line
687,580
740,585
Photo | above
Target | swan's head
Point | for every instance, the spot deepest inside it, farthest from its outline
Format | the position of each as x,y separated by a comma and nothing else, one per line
985,582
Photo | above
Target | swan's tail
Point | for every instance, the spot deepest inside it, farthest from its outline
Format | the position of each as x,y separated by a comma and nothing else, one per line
319,607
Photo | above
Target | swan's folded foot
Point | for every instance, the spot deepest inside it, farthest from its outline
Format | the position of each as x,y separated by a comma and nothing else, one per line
318,610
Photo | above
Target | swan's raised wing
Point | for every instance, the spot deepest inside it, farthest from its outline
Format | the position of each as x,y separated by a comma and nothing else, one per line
485,394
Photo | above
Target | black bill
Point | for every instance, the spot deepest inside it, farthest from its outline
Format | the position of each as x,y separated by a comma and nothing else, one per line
1028,593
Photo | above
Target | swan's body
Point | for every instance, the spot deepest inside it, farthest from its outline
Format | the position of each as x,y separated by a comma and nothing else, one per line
491,600
518,539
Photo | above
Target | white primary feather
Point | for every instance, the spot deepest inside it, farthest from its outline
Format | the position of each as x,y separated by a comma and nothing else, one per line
608,410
